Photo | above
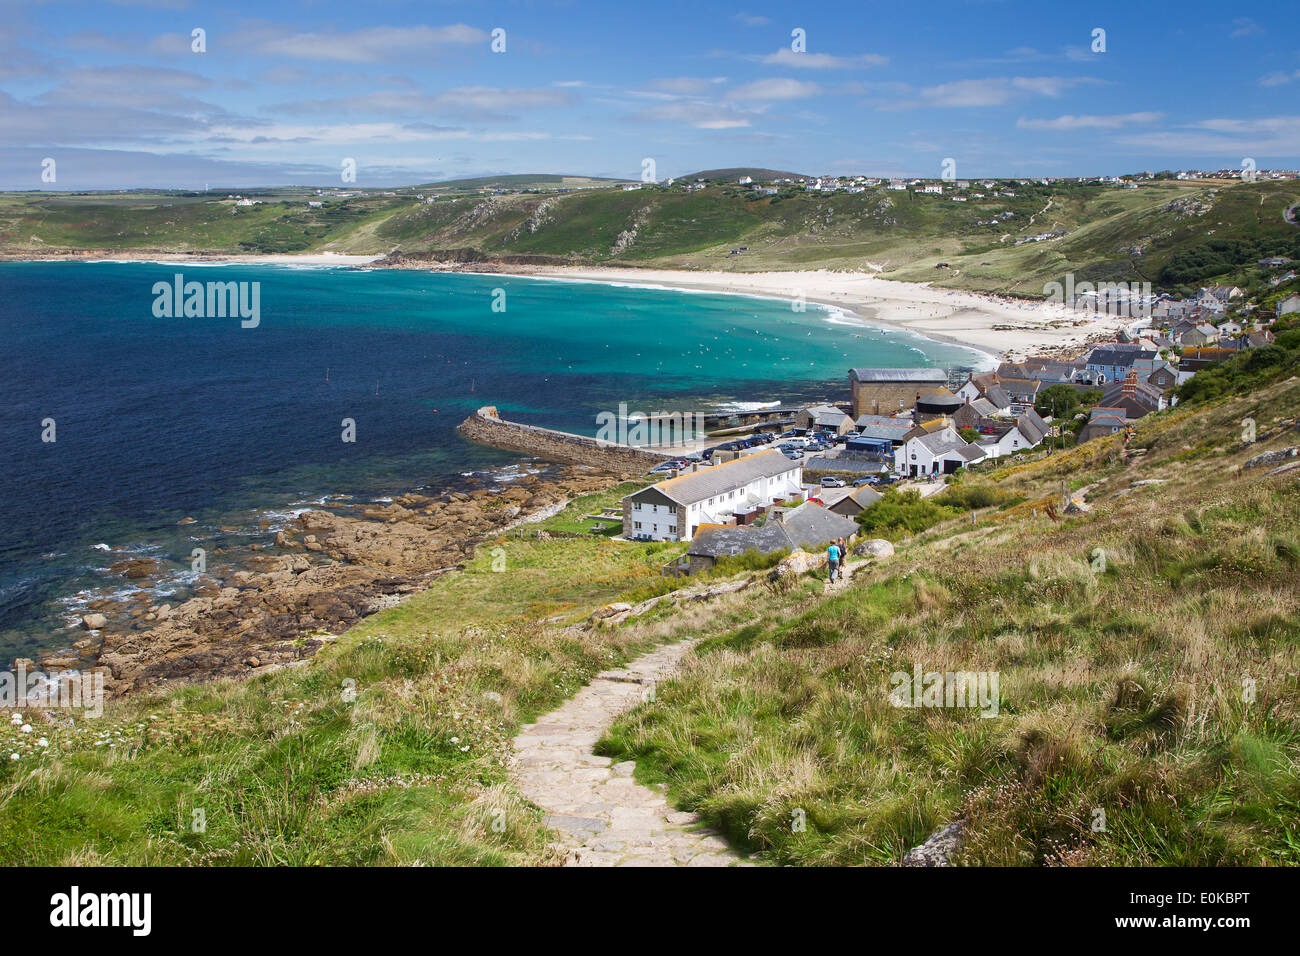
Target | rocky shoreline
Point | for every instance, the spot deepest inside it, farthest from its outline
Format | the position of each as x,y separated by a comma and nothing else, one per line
308,584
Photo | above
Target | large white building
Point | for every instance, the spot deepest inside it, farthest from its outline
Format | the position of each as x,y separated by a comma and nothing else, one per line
672,510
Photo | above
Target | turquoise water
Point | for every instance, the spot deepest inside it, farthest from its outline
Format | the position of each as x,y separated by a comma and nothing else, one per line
158,418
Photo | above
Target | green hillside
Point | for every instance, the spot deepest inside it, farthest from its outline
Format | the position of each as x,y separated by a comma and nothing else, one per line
1176,235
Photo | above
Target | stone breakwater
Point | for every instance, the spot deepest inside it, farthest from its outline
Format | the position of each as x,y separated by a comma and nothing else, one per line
487,427
316,578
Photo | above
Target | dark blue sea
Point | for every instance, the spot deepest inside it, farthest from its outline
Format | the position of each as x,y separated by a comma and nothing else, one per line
156,419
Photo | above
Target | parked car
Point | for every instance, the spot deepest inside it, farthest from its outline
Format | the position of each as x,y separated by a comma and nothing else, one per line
666,468
832,482
794,454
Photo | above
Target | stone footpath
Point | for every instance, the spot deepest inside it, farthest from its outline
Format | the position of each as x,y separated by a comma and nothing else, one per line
603,816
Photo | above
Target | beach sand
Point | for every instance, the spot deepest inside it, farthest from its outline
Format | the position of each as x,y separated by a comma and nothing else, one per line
1002,327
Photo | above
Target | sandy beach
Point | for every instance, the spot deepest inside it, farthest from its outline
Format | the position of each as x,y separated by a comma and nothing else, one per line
1004,328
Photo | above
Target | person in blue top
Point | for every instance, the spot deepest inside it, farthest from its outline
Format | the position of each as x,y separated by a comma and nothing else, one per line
833,559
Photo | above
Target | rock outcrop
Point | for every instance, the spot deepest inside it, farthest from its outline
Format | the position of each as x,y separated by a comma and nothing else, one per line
326,571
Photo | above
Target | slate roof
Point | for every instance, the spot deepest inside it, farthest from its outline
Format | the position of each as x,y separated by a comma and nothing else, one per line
883,427
941,443
863,497
889,375
1032,426
998,396
808,526
811,526
721,541
709,482
1118,357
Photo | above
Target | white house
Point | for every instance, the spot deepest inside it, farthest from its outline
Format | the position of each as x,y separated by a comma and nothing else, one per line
1028,432
939,453
673,510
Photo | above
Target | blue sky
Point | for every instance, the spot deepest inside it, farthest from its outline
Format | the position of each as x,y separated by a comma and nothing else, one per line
413,92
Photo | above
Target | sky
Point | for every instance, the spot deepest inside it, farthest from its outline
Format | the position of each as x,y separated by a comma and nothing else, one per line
118,93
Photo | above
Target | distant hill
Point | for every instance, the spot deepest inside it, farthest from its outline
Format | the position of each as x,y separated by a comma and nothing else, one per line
736,172
515,181
1016,238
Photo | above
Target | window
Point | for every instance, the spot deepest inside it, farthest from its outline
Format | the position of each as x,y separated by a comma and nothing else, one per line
637,525
636,506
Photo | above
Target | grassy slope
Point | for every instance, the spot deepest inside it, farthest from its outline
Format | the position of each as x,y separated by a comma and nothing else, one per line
1112,234
1121,689
286,771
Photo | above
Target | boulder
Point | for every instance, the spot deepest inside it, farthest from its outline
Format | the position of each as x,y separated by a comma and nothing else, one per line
1273,457
937,850
875,548
797,563
93,622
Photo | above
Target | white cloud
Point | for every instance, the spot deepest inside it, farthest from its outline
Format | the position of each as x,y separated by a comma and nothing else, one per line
1229,139
689,84
698,115
775,89
1279,78
996,91
1069,122
1245,27
823,61
367,45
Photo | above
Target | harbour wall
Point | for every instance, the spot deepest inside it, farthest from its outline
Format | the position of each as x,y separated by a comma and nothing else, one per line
487,427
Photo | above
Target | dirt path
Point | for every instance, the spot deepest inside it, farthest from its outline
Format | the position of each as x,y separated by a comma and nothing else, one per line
603,816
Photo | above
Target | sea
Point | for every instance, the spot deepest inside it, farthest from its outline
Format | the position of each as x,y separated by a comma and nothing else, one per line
121,416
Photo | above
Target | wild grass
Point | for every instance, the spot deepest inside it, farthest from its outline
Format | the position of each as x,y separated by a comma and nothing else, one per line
1149,707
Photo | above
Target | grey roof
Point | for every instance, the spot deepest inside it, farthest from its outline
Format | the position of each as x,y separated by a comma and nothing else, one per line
923,375
1118,357
808,526
945,441
727,542
811,526
998,396
882,427
700,485
984,407
1032,426
863,496
827,415
1101,412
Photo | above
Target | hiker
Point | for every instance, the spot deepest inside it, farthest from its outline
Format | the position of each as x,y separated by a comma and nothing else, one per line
833,559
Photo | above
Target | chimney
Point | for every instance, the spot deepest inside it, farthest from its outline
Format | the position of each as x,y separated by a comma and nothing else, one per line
1130,382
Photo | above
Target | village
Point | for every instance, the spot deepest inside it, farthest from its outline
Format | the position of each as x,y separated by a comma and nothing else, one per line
918,429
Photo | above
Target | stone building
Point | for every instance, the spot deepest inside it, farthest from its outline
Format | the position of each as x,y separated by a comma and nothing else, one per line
887,391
